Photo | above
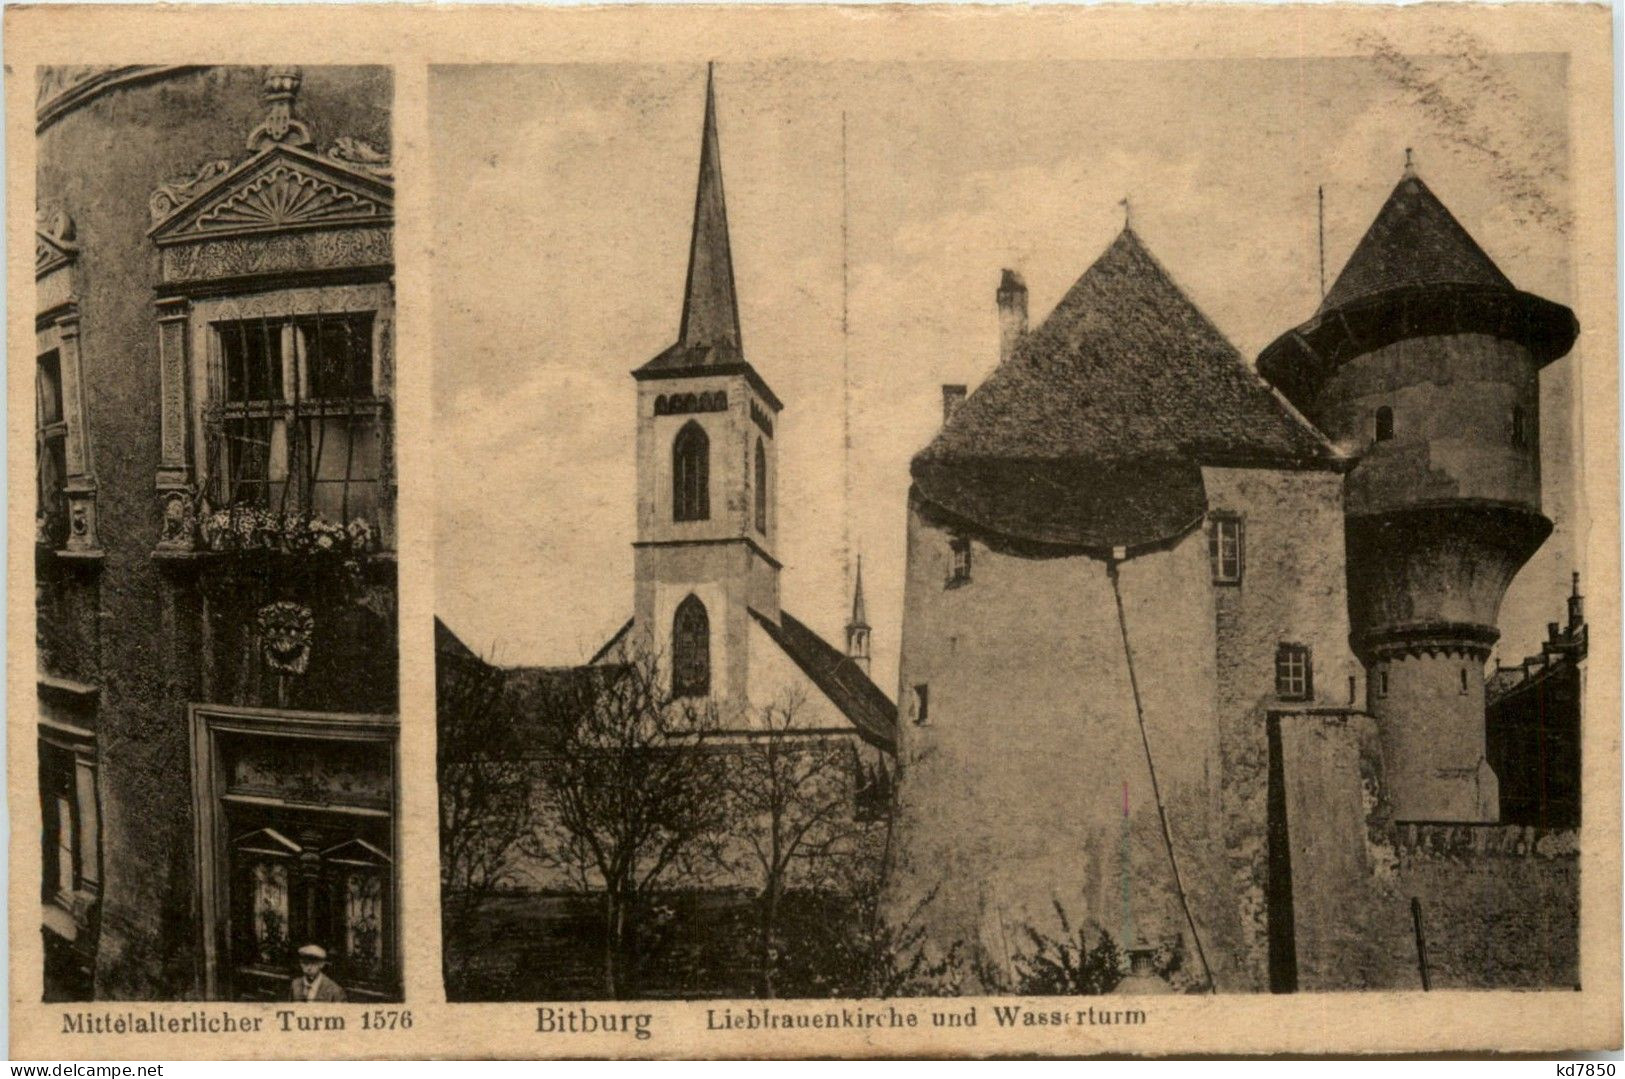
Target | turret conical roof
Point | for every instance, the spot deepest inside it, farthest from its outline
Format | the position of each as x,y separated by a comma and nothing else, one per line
1413,242
1416,272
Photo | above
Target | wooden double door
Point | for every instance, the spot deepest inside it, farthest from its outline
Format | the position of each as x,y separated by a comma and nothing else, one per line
307,876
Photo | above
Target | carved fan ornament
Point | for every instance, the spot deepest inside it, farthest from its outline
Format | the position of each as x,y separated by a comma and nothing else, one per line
284,195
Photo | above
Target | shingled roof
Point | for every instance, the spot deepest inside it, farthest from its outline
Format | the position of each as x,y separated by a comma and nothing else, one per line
1414,241
1415,272
1094,432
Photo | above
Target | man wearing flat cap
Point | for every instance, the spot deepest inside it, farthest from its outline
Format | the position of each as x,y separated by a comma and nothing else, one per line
310,984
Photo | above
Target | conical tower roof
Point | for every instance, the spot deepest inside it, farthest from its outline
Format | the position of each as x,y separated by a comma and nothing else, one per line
1415,272
1415,242
1093,433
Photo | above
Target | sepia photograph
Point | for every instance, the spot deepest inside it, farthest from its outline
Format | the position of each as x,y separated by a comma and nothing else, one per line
929,531
1051,529
215,585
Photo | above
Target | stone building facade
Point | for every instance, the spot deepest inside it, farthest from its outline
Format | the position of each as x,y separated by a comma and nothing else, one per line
215,577
1234,628
1111,544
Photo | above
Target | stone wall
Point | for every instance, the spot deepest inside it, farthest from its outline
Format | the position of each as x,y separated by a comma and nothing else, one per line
1025,782
1498,904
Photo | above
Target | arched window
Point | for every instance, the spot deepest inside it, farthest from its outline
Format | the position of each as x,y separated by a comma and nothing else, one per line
761,488
1385,424
1520,427
660,405
691,649
691,474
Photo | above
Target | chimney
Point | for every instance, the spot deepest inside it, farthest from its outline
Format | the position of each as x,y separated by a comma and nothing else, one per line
1012,312
1577,611
953,395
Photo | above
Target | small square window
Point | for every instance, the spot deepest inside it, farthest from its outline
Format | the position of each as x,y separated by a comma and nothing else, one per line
958,561
1294,677
1225,548
922,704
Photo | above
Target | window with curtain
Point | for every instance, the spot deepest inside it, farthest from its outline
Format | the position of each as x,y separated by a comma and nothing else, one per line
1224,548
299,415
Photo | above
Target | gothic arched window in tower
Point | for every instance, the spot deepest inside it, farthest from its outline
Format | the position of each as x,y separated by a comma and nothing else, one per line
691,474
761,488
691,649
1385,424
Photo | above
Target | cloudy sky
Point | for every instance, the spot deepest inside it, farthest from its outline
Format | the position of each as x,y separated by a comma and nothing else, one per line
564,196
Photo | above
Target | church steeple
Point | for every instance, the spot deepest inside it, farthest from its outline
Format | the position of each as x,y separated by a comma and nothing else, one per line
710,306
708,479
857,627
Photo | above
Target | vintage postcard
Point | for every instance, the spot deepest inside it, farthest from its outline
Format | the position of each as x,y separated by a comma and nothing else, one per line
813,531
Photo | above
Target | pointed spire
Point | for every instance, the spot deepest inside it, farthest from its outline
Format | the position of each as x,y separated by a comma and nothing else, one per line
857,627
710,306
859,614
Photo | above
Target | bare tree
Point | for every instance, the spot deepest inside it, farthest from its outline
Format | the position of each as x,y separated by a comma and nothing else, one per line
795,812
631,791
485,803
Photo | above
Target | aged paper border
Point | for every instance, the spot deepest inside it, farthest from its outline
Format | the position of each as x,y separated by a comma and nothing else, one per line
412,38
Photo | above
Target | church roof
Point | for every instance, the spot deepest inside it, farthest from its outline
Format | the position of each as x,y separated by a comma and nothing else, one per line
1414,242
708,338
1093,433
841,680
530,695
1415,272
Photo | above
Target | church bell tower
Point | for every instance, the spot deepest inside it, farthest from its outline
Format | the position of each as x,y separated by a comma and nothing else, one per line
707,470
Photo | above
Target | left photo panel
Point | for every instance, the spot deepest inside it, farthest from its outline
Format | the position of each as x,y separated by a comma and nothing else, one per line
215,534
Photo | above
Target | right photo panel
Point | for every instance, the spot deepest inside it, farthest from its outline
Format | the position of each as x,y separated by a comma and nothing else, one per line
1006,528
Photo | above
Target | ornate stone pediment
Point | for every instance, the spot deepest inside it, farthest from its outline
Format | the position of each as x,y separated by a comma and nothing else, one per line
54,242
280,189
